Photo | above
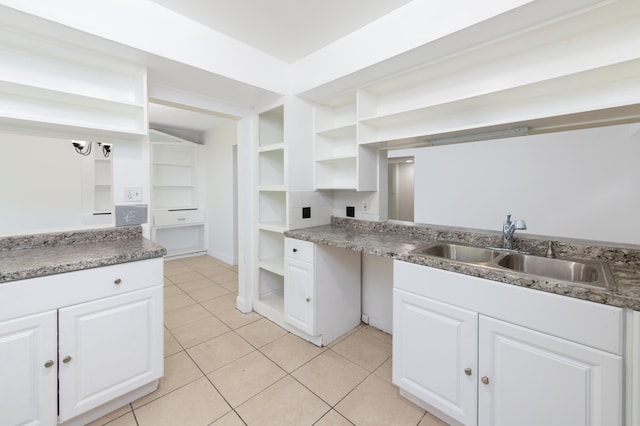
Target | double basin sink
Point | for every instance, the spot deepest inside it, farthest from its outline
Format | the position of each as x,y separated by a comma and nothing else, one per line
583,272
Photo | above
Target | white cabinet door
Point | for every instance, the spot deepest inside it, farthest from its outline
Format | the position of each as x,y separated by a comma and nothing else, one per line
434,354
299,297
531,379
29,370
109,347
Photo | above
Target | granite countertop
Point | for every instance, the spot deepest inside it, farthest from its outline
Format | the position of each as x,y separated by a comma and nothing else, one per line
31,256
396,241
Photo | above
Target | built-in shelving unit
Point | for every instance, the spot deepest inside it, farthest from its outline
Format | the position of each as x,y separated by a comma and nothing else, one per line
285,159
272,209
340,162
178,221
49,87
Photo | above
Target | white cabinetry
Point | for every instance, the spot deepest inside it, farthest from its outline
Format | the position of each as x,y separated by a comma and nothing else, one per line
90,342
177,182
29,353
284,165
463,353
54,89
321,290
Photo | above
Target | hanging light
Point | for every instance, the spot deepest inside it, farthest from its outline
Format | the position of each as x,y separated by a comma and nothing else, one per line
106,148
82,147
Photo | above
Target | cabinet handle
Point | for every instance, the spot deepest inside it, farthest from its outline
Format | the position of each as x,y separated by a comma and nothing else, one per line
49,364
295,250
117,281
308,299
182,218
468,371
66,359
485,380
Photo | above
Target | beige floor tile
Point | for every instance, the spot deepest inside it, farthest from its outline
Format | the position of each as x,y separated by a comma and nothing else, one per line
171,345
384,371
195,284
177,302
126,420
111,416
376,402
208,293
364,350
330,376
171,270
171,290
222,303
220,351
236,319
245,377
199,331
379,334
285,403
229,419
212,270
225,276
198,261
290,351
261,332
232,285
197,403
167,281
179,370
185,276
431,420
333,418
185,315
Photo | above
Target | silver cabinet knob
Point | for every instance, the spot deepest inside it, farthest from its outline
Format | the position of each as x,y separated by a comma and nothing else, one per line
468,371
485,380
117,281
66,359
49,363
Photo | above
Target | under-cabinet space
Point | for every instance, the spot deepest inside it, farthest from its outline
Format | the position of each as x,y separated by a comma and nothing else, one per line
181,239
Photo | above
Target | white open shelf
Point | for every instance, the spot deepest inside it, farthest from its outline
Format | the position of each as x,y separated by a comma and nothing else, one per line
271,167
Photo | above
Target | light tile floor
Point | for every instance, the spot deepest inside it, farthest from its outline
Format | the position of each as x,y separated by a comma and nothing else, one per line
223,367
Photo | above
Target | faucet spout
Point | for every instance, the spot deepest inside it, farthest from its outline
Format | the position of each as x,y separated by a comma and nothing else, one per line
509,227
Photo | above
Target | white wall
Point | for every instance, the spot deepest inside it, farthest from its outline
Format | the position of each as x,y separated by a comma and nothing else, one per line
221,198
40,184
577,184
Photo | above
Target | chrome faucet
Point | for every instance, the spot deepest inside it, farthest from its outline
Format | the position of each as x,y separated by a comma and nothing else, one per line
509,228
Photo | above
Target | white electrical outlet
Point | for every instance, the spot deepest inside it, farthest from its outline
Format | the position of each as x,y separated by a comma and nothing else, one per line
132,194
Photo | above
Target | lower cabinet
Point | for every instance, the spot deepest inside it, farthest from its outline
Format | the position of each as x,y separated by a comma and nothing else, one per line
62,363
321,290
471,367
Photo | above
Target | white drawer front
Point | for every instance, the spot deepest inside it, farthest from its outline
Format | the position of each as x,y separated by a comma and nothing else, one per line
298,249
183,217
34,295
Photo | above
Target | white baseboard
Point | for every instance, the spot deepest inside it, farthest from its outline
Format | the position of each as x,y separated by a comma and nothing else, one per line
223,257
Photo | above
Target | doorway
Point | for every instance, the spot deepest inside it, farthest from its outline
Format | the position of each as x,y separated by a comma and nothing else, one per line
400,188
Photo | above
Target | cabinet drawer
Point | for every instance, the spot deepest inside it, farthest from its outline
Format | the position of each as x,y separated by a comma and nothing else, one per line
298,249
34,295
183,217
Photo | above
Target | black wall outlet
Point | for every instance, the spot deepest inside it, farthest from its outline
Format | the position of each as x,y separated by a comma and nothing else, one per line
306,212
351,211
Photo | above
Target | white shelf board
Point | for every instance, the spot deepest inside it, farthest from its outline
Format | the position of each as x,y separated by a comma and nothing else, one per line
336,158
273,301
272,188
275,265
339,131
272,147
278,227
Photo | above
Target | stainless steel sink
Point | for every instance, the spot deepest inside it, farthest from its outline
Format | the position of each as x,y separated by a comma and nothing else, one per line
583,272
578,271
459,252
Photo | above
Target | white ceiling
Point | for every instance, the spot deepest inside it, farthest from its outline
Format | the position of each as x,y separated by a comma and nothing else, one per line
286,29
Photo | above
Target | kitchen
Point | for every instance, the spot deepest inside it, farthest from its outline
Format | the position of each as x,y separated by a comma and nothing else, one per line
557,70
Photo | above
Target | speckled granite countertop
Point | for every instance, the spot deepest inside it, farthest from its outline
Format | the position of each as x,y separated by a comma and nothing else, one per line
396,241
31,256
